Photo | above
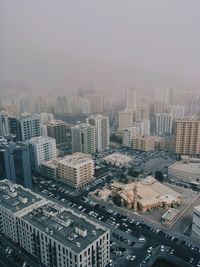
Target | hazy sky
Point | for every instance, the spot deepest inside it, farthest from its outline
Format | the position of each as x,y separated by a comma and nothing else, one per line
110,44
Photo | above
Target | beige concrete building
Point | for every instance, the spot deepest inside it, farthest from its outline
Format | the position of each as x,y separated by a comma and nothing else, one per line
186,170
76,170
117,159
187,137
126,118
143,143
149,194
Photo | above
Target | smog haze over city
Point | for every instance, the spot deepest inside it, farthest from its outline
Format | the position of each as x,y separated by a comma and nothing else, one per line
108,45
100,133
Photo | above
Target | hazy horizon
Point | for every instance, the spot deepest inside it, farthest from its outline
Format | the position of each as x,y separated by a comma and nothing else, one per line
106,45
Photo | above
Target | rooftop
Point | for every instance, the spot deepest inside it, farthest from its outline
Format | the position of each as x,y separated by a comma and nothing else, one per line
51,163
64,225
76,159
15,197
170,214
187,166
41,140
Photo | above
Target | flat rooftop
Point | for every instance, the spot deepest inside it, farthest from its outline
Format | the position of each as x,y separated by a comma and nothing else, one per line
170,215
75,160
51,163
64,225
40,140
191,167
15,197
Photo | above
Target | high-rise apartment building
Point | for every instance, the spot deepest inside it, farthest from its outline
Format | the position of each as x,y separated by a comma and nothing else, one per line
128,134
4,124
57,130
187,133
131,99
41,149
178,112
102,131
24,126
83,138
55,235
126,118
163,123
77,170
15,164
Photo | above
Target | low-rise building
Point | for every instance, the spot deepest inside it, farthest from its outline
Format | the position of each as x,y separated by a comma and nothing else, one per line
117,159
143,143
186,170
76,170
146,195
170,216
50,169
196,221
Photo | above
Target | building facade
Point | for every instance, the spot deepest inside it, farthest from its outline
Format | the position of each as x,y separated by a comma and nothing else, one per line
41,149
24,126
143,143
15,164
126,118
128,134
4,130
57,130
163,123
102,131
187,140
55,235
76,170
83,138
196,221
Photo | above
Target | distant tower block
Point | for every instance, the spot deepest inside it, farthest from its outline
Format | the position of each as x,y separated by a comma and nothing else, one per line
135,197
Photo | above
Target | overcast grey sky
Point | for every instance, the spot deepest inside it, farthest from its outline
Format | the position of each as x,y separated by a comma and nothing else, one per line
111,44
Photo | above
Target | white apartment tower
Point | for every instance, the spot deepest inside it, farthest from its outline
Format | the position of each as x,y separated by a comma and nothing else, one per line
83,138
102,130
163,123
41,149
128,134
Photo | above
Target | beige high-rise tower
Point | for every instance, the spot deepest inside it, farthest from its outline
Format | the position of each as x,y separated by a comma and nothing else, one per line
187,137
